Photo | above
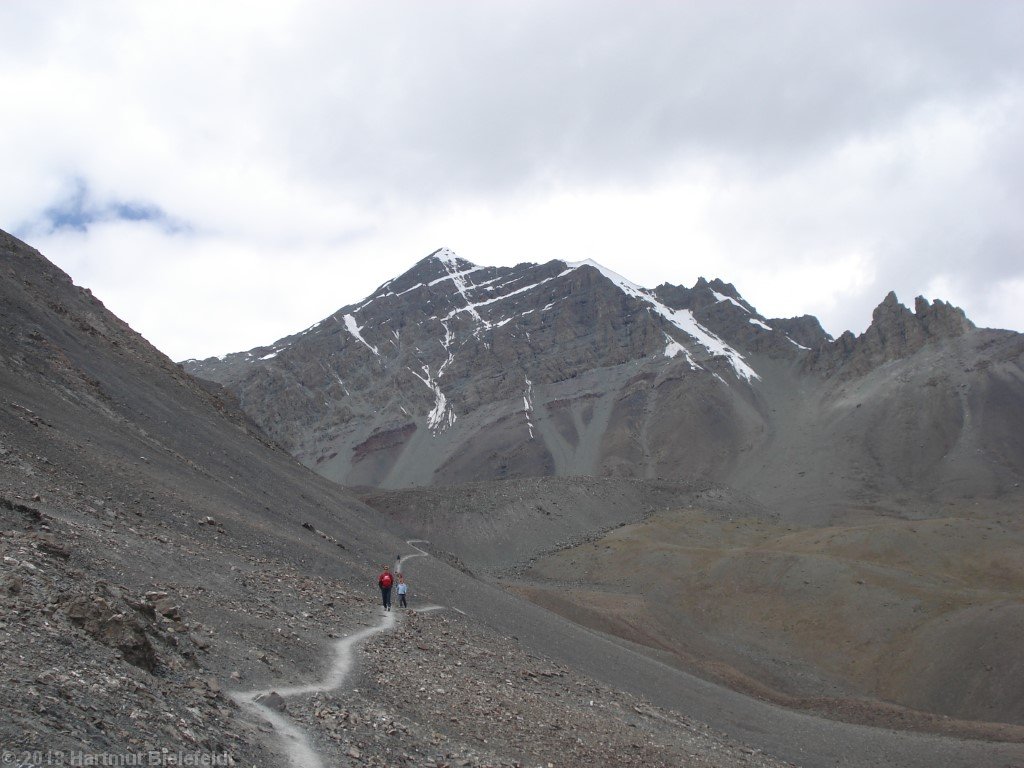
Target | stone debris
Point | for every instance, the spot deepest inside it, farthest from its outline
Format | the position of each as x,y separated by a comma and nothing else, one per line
114,628
274,700
323,535
91,668
439,691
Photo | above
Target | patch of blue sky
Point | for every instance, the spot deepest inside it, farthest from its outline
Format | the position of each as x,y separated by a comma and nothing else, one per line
79,210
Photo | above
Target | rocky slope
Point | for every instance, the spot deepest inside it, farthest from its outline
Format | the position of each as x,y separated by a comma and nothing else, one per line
159,553
455,373
569,425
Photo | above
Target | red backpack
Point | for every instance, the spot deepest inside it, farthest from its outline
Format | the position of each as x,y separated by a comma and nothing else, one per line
385,579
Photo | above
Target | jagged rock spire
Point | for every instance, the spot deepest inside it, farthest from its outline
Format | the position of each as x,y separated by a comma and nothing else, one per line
895,332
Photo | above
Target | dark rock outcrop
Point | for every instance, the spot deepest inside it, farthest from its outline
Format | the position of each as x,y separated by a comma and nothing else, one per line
806,330
895,333
114,628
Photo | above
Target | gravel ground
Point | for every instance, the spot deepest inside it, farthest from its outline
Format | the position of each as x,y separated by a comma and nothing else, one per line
105,669
438,691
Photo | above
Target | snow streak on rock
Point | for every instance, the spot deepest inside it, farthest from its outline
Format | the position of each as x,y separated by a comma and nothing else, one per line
355,330
472,307
457,271
336,377
528,405
674,348
446,342
722,297
682,319
441,416
458,278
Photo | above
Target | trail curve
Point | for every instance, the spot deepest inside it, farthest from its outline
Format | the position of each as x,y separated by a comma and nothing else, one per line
294,740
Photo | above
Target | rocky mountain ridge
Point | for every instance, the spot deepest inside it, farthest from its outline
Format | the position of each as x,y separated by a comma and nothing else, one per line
158,554
895,332
456,373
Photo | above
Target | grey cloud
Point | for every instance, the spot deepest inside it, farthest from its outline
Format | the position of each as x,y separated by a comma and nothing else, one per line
442,96
355,128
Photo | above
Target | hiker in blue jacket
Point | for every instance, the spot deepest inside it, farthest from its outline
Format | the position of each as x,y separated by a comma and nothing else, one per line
403,589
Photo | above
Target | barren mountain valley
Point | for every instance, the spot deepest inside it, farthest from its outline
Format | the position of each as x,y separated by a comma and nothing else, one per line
641,527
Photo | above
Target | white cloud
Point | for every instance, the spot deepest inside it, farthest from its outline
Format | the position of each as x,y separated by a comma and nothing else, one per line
816,156
1002,310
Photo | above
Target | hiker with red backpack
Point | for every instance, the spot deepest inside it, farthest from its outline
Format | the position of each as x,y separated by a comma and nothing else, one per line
384,581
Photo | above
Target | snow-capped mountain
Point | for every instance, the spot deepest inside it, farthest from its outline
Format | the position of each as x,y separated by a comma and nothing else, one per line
453,372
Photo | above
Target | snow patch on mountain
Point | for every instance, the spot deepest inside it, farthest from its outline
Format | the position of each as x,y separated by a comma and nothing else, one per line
407,290
441,415
472,307
673,349
355,330
446,342
447,257
459,280
459,277
722,297
683,319
528,406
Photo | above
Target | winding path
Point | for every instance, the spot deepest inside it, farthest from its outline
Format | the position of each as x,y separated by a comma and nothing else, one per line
794,736
295,740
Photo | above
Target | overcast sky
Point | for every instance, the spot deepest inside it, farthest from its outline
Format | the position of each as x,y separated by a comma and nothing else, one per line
222,174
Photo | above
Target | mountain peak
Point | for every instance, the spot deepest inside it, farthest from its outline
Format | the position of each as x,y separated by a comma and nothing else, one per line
895,332
615,277
892,321
941,318
451,261
438,265
445,255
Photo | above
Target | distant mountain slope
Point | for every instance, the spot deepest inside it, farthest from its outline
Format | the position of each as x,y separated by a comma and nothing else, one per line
455,373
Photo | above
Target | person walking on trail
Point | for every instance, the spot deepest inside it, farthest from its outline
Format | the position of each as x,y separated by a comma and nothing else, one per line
384,581
403,589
